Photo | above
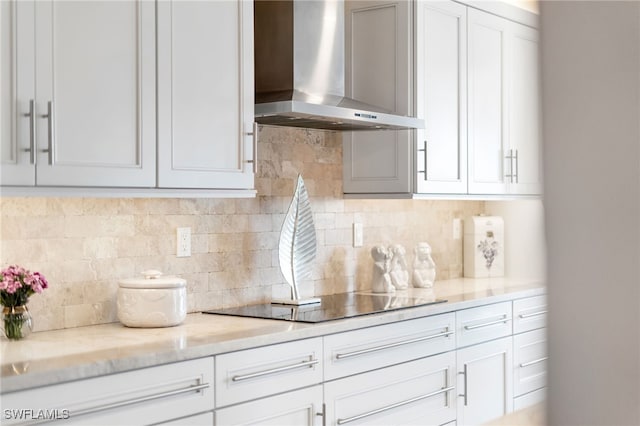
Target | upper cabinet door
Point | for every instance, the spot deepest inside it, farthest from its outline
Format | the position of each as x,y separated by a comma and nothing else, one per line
379,69
17,95
205,94
95,93
441,46
524,111
487,107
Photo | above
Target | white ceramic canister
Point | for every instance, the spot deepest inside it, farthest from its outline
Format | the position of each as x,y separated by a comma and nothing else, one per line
152,301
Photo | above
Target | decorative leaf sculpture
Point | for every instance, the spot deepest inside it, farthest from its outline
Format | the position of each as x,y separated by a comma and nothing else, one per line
297,247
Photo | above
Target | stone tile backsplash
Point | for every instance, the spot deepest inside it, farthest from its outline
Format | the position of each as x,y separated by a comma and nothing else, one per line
85,245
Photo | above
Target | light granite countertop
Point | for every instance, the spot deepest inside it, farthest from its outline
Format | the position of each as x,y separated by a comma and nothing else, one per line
63,355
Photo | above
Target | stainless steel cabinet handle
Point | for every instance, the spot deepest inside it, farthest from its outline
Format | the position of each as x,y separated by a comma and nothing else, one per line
533,314
32,132
51,142
254,133
486,324
425,160
535,361
392,406
323,414
510,158
302,364
517,167
393,345
195,388
464,395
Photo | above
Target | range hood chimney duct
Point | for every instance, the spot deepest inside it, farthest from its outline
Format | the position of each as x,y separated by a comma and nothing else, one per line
300,72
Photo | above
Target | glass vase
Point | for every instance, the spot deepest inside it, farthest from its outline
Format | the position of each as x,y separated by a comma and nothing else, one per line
16,322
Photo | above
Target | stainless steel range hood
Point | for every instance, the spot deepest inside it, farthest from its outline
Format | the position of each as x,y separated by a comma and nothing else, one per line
300,72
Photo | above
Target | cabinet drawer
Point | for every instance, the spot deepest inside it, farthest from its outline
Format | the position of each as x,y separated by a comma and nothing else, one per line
302,407
529,314
204,419
530,399
529,361
145,396
483,323
254,373
418,392
366,349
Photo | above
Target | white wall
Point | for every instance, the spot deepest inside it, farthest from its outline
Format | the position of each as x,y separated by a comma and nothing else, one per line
524,242
591,112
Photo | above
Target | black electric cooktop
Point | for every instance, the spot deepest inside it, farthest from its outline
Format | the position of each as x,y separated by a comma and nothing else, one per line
332,307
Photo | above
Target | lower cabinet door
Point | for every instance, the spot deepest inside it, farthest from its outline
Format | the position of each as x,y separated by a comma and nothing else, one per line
420,392
485,381
297,408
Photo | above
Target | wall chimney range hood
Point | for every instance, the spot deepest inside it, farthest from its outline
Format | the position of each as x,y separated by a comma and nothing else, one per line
300,72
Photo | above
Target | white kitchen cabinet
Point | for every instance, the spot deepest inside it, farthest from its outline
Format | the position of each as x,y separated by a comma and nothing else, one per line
379,37
80,111
81,103
441,43
205,94
485,381
145,396
298,408
525,140
264,371
376,347
420,392
476,86
529,361
529,314
203,419
504,119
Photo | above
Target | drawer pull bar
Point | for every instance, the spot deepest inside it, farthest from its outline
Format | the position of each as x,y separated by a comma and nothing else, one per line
535,361
120,404
533,314
486,324
392,406
302,364
393,345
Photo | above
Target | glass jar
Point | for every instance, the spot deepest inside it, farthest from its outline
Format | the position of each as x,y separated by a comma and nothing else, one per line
16,322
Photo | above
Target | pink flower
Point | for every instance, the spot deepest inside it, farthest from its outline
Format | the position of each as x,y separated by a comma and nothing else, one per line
18,283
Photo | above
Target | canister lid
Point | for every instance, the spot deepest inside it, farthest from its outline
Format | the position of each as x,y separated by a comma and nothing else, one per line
481,224
153,279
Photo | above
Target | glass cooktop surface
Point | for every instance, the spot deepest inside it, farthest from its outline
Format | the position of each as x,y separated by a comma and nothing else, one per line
332,307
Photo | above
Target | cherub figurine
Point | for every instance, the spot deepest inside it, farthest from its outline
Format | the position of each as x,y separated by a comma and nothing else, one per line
424,269
381,280
399,273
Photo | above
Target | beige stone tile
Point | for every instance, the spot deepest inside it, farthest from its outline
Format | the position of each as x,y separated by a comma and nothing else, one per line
100,206
23,252
64,206
18,206
219,243
260,223
100,248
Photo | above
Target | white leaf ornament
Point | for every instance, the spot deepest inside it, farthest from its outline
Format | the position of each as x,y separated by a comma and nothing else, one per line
297,246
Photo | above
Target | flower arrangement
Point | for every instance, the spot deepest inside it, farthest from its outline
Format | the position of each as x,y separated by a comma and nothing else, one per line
16,286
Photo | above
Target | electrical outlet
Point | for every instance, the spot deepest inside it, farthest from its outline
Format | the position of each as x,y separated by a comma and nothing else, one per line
183,248
457,228
357,235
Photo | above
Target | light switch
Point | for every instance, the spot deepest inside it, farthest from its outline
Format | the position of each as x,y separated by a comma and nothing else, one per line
358,236
457,228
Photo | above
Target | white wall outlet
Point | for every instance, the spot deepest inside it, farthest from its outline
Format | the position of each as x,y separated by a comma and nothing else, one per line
358,236
457,228
183,248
